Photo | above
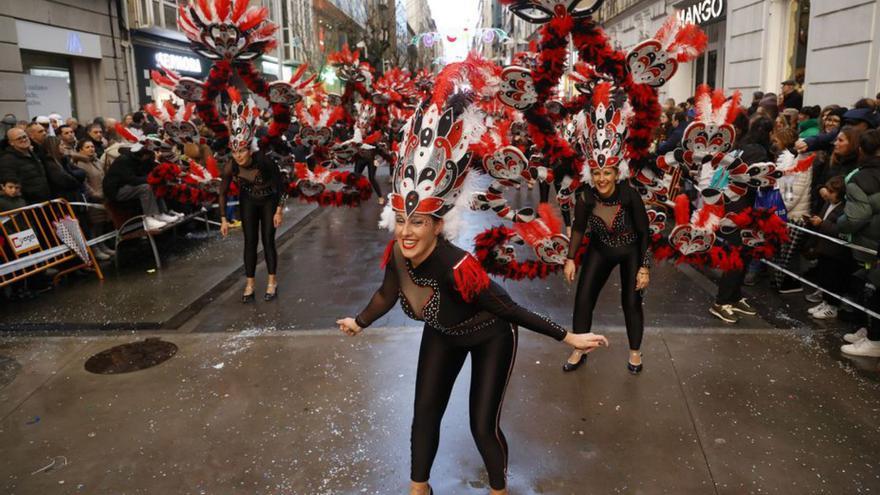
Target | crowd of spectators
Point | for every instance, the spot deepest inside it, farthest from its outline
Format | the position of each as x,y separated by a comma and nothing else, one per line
838,198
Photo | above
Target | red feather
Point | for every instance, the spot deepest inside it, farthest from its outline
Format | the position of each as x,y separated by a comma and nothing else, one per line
389,252
205,7
470,278
188,111
125,133
211,165
253,18
803,165
169,107
234,94
221,7
299,72
682,210
238,9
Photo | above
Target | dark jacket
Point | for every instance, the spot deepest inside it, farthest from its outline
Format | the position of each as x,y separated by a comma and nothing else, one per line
829,227
861,217
31,172
673,140
7,203
127,170
793,100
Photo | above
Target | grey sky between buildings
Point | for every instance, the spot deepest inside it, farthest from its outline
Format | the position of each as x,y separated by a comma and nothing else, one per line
452,17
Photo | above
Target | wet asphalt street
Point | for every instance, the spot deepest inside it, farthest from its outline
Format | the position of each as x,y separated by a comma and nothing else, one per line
270,399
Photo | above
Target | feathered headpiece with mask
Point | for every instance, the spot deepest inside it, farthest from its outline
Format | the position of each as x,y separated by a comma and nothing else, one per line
435,157
242,121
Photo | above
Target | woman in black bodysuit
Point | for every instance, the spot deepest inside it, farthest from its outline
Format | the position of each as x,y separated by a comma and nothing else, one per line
261,206
464,313
619,235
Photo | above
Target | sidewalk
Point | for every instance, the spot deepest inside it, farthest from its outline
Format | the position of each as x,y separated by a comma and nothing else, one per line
139,297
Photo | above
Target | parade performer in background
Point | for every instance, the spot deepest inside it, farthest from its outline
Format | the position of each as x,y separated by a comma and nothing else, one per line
438,283
261,194
618,226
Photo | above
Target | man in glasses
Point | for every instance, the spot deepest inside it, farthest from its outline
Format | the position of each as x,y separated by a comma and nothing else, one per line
20,161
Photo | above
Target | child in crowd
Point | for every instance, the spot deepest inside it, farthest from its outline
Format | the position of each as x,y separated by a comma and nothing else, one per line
10,194
834,261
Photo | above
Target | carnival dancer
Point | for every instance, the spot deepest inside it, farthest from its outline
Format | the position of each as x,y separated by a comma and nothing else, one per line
438,283
261,194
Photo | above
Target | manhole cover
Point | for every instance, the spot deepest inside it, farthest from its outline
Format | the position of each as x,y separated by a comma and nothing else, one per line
9,369
131,357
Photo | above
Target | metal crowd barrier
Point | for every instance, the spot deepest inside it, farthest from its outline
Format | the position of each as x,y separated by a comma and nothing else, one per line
43,236
802,280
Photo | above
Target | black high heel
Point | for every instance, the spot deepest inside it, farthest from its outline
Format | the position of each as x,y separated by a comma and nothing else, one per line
271,295
634,369
248,298
567,367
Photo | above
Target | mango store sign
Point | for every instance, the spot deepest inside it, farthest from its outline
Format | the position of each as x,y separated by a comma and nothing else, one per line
702,12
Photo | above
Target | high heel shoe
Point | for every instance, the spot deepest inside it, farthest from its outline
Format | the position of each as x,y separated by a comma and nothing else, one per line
571,367
634,369
246,297
271,295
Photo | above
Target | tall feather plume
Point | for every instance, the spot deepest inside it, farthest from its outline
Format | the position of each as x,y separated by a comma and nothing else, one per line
703,103
239,9
253,18
234,95
221,8
188,111
169,108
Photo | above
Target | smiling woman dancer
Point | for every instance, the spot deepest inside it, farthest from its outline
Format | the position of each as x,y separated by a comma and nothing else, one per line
438,283
615,216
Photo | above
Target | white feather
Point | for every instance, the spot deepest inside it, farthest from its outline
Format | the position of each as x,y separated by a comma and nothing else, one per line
704,106
454,220
386,219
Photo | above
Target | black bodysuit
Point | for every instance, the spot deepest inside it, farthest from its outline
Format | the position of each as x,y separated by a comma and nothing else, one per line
261,191
619,235
484,326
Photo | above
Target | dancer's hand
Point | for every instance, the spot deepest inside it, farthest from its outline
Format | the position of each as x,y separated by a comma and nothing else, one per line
276,220
585,342
349,326
643,278
569,270
224,227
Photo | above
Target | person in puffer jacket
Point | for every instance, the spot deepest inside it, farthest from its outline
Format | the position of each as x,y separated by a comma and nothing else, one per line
861,220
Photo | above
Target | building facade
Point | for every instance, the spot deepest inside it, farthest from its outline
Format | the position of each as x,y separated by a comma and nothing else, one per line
420,20
828,46
519,32
62,56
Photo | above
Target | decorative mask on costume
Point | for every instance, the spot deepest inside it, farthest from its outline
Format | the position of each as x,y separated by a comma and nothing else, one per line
137,139
542,11
186,88
242,121
602,130
228,30
655,61
712,132
434,163
176,123
349,68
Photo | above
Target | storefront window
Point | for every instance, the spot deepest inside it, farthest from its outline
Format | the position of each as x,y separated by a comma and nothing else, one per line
48,84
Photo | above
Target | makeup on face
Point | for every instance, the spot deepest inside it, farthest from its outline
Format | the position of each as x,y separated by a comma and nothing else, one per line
416,235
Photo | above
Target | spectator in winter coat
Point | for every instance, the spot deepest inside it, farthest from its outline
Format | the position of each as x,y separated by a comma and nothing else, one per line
20,161
95,134
861,220
790,97
126,180
834,262
795,191
757,96
676,134
808,122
